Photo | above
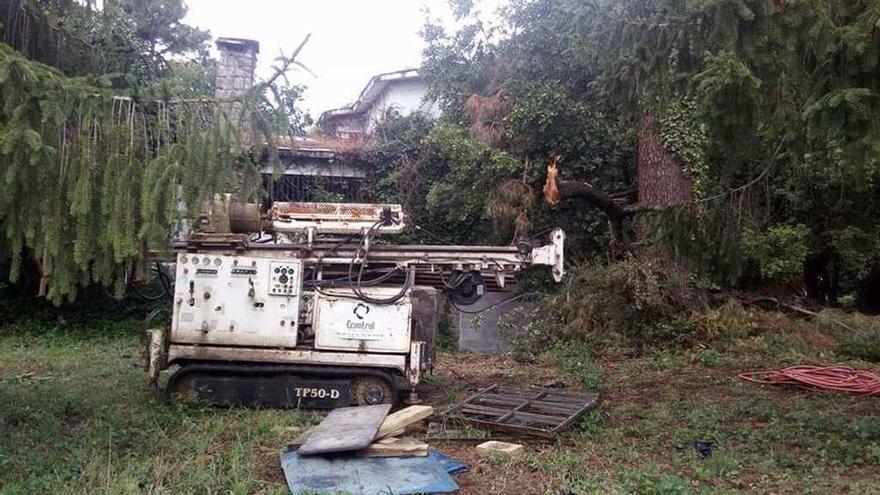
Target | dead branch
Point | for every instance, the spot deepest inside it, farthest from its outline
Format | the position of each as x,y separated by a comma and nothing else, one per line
286,62
555,191
797,309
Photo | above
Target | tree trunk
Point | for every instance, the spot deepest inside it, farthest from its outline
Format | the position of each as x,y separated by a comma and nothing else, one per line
662,183
662,180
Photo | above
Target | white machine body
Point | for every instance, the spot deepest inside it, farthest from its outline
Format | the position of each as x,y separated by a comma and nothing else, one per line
251,301
236,300
248,304
343,323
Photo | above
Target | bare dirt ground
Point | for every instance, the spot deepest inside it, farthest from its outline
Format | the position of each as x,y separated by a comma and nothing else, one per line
461,374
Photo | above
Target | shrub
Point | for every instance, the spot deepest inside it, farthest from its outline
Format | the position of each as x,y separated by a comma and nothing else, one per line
858,249
778,252
728,321
636,302
857,335
631,303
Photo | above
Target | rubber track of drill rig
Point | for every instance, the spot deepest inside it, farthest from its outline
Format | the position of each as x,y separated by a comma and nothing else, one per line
278,371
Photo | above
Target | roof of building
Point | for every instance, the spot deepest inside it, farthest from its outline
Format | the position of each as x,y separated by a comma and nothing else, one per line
371,91
319,146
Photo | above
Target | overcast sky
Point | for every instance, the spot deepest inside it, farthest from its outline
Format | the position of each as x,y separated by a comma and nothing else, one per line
352,40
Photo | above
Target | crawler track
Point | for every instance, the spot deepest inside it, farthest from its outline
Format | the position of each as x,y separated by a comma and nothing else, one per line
281,386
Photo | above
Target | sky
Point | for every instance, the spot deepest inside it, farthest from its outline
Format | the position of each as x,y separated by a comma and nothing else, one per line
351,40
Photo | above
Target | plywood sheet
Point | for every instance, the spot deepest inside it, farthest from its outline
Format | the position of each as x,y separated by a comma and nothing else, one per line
345,429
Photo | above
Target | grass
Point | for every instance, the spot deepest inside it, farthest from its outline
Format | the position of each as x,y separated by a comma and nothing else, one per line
76,416
767,440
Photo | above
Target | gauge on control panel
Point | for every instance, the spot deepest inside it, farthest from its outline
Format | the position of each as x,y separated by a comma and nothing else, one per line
285,278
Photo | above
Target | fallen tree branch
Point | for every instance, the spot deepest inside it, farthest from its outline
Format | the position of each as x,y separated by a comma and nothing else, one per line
555,191
796,309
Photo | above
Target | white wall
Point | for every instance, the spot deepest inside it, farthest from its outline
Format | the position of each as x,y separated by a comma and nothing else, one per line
405,97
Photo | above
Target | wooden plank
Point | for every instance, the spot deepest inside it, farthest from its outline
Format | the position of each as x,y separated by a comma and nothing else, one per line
520,407
545,406
535,406
552,395
513,429
480,392
395,447
403,418
587,406
345,429
498,413
546,400
396,433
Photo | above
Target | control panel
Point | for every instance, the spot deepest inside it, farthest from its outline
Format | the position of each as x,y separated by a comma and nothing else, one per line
223,299
285,278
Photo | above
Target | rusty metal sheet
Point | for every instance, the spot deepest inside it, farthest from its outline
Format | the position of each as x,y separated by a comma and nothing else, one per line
331,211
541,412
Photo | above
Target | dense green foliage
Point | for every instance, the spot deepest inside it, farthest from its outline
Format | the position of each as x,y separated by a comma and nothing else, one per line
767,106
127,41
100,168
529,94
779,252
90,177
631,304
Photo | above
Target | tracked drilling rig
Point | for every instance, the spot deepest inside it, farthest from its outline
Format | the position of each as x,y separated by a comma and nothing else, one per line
307,305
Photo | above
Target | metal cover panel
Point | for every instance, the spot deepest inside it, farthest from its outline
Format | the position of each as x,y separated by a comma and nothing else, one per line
344,323
177,352
346,429
236,300
332,211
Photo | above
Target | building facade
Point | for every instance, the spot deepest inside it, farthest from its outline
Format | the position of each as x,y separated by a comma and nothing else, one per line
401,91
313,168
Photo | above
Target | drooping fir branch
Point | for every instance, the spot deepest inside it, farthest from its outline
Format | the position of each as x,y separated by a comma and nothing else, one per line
91,177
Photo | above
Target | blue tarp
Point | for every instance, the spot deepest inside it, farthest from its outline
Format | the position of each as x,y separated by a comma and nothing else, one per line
351,475
451,465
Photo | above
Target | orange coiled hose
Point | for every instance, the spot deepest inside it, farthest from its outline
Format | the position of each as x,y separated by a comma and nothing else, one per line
838,378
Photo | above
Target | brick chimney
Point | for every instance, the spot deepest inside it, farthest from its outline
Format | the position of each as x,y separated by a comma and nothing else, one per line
235,72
